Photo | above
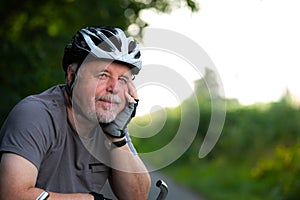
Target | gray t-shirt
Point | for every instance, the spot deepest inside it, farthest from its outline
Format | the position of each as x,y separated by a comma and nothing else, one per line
38,130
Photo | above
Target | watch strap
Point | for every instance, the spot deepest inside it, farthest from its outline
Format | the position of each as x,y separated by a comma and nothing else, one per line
120,143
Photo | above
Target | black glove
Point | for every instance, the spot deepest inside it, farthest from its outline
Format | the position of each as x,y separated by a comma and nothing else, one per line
117,127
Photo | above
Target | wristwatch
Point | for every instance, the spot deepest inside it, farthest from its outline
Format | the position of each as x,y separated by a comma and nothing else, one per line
112,145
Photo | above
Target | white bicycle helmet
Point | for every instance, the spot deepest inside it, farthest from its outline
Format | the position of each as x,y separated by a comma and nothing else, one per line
103,43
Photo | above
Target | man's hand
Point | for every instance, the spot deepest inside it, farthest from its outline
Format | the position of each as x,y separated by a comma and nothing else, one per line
116,128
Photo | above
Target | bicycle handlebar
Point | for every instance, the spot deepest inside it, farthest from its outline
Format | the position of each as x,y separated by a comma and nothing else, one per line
163,189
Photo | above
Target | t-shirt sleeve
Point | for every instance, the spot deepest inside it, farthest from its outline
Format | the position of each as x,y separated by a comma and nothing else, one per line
25,131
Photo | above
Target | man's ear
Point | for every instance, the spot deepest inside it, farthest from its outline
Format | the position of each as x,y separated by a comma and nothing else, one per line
70,74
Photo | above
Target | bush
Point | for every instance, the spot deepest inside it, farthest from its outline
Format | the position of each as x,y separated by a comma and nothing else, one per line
282,171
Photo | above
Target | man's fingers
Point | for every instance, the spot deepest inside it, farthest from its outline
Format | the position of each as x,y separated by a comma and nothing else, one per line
132,90
129,98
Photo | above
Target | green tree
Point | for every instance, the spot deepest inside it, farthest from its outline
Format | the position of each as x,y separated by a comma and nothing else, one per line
33,35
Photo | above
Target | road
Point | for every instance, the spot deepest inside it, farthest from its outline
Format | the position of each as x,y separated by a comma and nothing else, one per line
176,192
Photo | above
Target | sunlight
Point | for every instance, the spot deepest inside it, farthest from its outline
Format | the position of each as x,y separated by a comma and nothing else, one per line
254,44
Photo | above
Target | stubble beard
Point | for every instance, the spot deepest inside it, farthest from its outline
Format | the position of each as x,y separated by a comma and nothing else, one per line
105,114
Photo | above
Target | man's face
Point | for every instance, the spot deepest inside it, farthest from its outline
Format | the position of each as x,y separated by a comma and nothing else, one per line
99,90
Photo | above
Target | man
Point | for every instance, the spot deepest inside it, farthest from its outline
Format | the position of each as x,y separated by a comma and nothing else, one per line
67,141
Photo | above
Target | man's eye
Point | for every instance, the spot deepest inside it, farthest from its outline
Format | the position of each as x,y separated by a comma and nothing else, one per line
123,80
103,75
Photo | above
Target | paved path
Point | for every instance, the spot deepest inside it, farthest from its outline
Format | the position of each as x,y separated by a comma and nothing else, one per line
176,192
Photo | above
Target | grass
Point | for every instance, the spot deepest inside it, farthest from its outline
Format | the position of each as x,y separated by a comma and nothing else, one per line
219,179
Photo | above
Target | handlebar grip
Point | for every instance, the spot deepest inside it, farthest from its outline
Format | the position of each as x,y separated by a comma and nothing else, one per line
163,190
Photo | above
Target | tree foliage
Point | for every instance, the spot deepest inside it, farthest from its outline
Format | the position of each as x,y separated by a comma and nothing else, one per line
34,33
256,157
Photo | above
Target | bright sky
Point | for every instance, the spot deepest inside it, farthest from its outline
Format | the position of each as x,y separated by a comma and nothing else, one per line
254,44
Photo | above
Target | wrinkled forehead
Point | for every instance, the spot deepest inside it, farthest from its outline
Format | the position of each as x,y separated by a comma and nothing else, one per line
95,66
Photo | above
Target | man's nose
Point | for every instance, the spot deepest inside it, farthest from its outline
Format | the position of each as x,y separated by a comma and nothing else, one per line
113,85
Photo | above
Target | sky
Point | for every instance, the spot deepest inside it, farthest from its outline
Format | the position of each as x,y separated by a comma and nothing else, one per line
254,44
